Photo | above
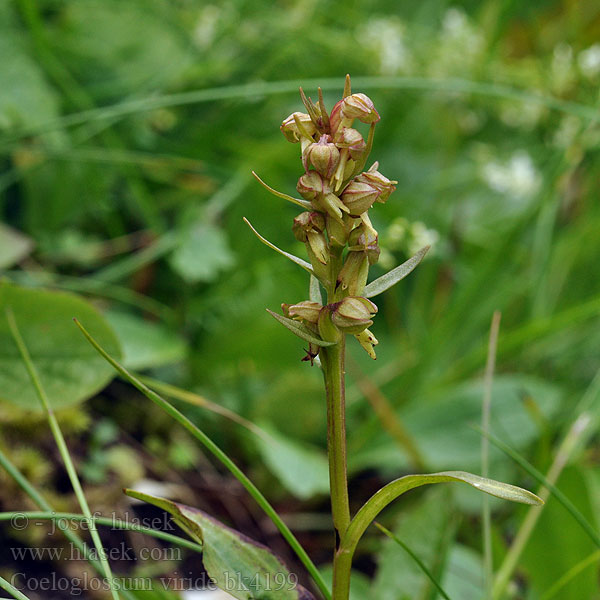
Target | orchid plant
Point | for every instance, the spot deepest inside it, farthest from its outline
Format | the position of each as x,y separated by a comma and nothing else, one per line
337,194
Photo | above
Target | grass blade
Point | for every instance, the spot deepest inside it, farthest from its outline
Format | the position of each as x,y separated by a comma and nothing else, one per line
12,590
62,447
485,452
105,521
417,560
30,490
570,574
222,457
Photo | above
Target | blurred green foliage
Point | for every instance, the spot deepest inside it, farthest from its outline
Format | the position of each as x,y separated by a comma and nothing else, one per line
128,130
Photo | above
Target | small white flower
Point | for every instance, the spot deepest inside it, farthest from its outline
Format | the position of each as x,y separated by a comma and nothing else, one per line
589,61
517,177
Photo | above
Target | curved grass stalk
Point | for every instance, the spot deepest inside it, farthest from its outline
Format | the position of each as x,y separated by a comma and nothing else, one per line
105,521
222,457
35,495
62,447
12,590
417,560
196,400
424,84
570,575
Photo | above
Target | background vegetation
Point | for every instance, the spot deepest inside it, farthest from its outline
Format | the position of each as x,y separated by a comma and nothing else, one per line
128,130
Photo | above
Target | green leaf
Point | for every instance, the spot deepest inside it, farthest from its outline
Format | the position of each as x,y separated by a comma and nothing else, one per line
387,494
242,567
203,252
69,369
301,468
385,282
14,246
300,330
305,265
145,344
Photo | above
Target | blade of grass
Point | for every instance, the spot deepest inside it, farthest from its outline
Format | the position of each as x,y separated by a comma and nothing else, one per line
29,516
35,495
12,590
222,457
261,88
570,574
490,366
562,456
196,400
62,447
417,560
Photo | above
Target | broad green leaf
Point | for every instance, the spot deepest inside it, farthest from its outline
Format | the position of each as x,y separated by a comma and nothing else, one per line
385,282
203,252
300,330
301,468
69,368
387,494
425,529
305,265
145,344
242,567
14,246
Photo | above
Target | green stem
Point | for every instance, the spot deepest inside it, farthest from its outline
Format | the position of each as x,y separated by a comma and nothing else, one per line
332,358
62,448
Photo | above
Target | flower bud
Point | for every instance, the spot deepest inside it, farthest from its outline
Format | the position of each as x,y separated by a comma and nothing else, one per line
353,140
312,185
358,196
367,340
361,107
323,155
307,222
290,129
353,314
356,106
380,182
304,311
353,275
